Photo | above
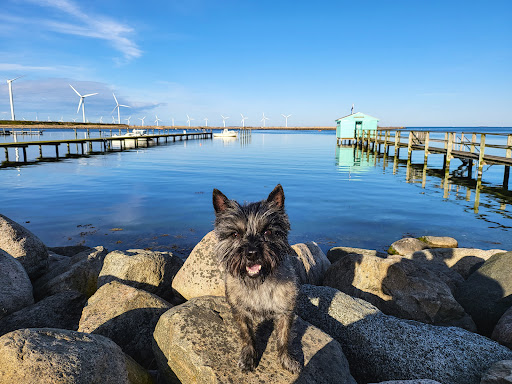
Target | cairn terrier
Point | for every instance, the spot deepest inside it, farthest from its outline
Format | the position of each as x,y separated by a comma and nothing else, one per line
260,281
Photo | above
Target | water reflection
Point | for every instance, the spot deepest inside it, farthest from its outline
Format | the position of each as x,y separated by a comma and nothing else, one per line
457,184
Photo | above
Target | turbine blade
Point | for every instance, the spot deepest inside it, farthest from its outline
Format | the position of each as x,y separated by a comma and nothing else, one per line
127,106
79,105
75,90
16,78
115,98
91,94
114,109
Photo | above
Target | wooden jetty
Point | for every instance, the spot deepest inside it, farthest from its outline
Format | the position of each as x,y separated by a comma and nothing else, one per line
106,143
469,147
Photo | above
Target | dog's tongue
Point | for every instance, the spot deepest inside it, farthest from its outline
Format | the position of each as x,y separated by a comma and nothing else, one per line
253,269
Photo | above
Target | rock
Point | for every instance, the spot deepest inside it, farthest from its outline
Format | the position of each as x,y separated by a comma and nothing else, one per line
487,293
199,342
381,347
201,273
127,316
449,276
420,381
309,262
23,245
439,241
70,250
462,260
407,245
334,254
503,331
46,355
15,285
398,287
148,270
499,373
77,273
62,310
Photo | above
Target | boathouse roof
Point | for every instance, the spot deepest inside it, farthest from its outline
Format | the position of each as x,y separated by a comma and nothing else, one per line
358,115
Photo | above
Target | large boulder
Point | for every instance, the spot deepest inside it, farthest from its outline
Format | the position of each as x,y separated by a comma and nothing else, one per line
309,262
62,310
499,373
503,331
381,347
15,285
398,287
487,293
126,315
462,260
46,355
201,274
421,381
336,253
198,342
23,245
407,245
77,273
148,270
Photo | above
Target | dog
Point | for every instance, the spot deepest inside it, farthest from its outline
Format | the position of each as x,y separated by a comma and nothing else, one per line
260,281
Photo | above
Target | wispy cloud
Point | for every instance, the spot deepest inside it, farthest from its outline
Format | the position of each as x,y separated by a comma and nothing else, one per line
23,68
90,25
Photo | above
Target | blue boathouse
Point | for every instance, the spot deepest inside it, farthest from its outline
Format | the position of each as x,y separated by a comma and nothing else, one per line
351,126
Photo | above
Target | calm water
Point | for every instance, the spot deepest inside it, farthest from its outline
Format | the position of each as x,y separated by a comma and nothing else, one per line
160,197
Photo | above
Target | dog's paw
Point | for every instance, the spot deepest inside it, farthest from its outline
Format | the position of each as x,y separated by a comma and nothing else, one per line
290,364
247,359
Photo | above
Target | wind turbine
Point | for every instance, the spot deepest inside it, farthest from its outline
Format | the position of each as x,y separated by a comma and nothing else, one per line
9,83
113,120
352,110
206,120
157,120
172,119
81,103
189,119
264,118
224,120
61,119
243,120
128,120
101,119
286,118
74,120
117,106
142,121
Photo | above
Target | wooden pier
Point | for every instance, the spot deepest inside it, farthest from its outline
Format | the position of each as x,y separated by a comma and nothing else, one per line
108,144
469,147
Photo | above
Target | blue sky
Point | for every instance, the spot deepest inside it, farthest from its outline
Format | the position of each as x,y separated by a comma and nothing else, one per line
409,63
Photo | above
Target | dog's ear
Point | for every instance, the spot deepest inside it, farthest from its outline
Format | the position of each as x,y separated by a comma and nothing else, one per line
220,202
277,196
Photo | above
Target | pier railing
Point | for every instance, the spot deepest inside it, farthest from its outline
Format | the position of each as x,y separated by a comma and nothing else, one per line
469,147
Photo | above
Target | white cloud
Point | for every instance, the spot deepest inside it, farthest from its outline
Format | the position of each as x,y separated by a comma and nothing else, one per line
23,68
88,25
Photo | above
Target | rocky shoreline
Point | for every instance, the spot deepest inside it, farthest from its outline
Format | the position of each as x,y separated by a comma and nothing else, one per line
425,312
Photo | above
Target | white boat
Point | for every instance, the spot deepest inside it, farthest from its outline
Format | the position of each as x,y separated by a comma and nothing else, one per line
225,133
136,136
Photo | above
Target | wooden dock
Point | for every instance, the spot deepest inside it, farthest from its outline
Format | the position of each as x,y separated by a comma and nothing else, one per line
469,147
84,146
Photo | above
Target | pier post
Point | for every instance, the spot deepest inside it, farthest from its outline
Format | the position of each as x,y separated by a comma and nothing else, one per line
397,144
409,147
480,169
57,151
427,141
6,154
508,155
448,156
40,151
386,136
24,148
69,152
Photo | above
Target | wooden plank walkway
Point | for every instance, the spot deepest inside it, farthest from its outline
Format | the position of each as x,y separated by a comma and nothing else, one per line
454,145
107,144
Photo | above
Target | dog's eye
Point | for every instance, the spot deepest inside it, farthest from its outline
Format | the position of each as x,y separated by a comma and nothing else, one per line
268,232
235,234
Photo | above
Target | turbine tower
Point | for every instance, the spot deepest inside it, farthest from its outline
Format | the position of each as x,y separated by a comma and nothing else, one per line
9,83
142,121
188,120
157,120
206,120
117,106
81,103
352,110
243,120
224,120
264,119
286,118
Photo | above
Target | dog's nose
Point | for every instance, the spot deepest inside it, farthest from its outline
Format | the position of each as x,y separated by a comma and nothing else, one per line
252,253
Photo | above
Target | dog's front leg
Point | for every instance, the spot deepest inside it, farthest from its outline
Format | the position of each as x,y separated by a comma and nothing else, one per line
283,327
247,360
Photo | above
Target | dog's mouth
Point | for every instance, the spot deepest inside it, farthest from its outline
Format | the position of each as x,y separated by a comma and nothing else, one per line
253,270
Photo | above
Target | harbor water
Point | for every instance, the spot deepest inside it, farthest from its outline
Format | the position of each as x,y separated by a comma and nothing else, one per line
160,197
